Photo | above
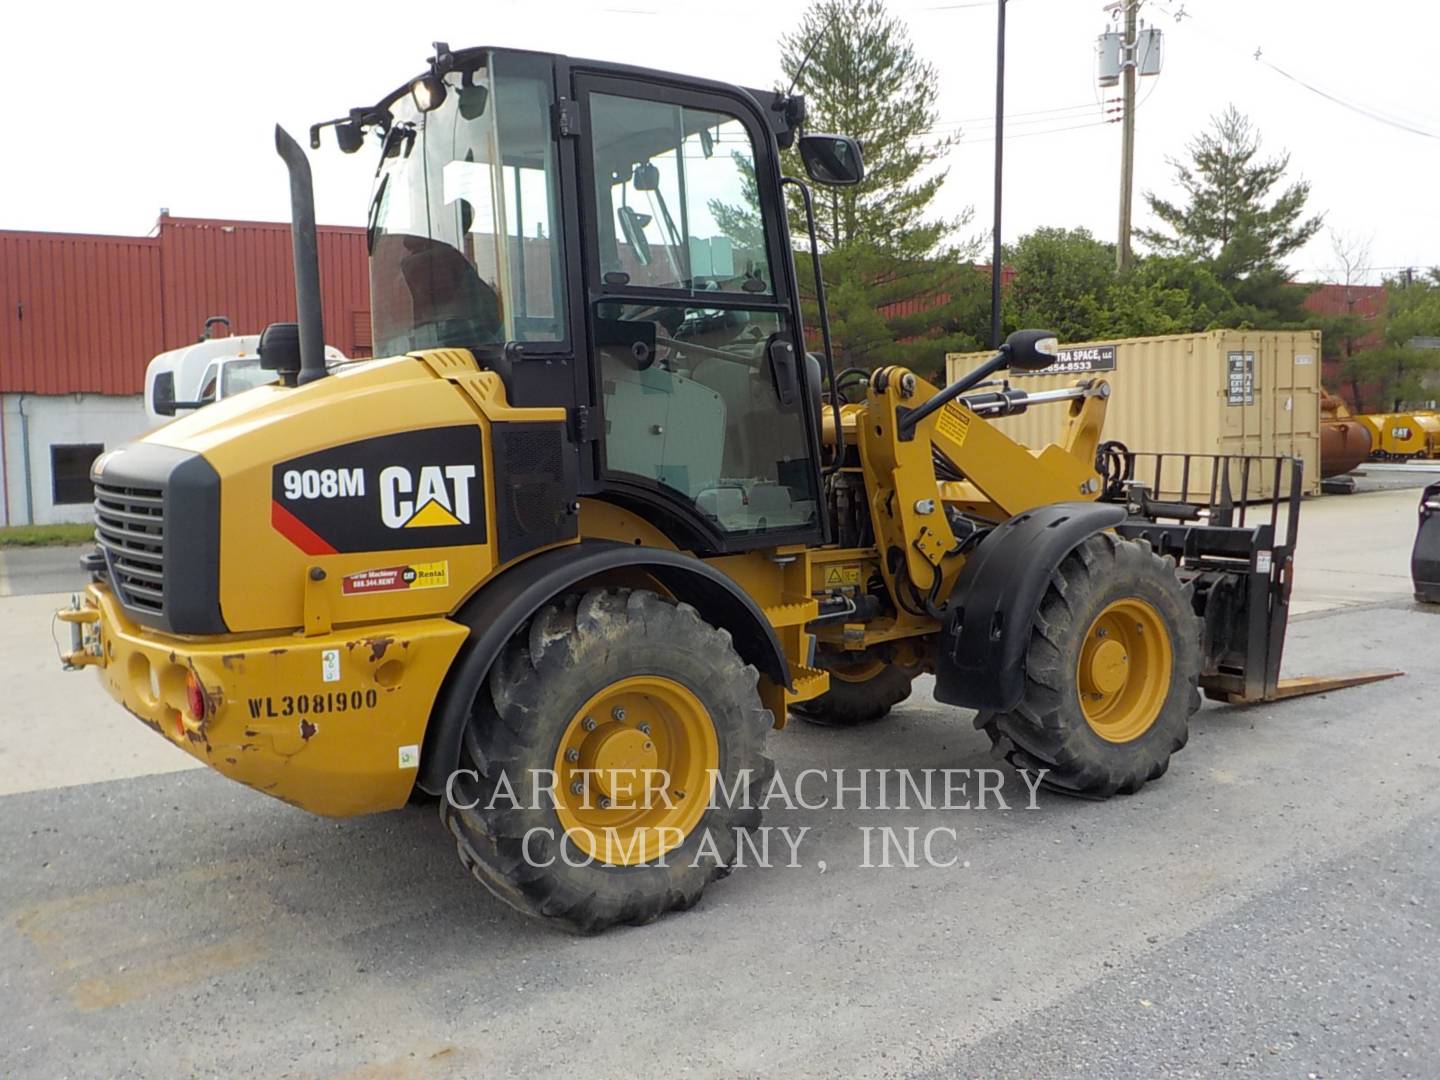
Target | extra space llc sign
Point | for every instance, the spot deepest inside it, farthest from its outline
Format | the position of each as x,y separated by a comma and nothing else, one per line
1078,361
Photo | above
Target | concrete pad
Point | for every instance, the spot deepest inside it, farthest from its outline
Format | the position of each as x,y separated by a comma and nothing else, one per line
1354,550
59,728
25,571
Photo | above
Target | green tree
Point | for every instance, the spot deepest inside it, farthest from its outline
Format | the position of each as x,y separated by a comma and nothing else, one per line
900,289
1063,281
1230,222
1405,371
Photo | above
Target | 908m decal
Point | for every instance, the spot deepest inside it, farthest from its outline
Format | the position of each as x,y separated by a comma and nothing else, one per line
415,489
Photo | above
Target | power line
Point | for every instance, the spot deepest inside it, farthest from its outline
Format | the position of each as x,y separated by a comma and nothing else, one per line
1367,111
1364,111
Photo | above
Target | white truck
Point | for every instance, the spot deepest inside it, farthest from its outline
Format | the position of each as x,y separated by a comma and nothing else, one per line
211,370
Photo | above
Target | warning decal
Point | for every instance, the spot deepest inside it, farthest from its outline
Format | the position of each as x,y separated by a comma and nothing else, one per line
953,423
429,575
841,576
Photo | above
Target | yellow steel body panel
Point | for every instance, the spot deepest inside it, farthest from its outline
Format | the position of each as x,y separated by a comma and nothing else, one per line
332,724
264,577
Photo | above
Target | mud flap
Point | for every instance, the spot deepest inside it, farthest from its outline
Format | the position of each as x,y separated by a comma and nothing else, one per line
981,659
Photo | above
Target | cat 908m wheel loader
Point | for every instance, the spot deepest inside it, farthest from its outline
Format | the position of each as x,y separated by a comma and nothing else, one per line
597,521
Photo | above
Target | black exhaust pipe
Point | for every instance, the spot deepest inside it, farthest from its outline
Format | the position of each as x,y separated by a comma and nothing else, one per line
307,258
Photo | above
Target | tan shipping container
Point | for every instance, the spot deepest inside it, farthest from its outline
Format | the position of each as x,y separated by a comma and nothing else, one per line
1221,392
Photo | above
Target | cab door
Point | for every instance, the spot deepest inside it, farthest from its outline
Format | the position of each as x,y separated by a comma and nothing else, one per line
707,418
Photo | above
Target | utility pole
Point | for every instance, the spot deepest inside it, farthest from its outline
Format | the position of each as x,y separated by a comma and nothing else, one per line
995,276
1129,62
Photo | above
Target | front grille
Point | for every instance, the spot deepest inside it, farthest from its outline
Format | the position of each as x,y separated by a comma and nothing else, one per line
130,526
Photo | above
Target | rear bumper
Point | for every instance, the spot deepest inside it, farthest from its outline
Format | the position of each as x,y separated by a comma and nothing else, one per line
331,723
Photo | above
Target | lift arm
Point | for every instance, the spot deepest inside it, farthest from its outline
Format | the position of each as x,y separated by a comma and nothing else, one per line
901,440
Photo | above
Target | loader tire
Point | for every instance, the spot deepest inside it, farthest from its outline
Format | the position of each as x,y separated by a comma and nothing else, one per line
599,687
1111,673
863,689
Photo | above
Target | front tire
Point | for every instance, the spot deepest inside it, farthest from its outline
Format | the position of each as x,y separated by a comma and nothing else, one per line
634,705
1111,673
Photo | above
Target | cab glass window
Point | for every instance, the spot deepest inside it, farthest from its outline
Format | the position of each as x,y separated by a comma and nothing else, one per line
676,197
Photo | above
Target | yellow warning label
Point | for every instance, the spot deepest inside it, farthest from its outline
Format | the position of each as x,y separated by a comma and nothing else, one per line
953,423
840,576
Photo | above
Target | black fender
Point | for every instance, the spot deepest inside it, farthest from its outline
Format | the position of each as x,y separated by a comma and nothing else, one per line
1425,557
980,663
505,604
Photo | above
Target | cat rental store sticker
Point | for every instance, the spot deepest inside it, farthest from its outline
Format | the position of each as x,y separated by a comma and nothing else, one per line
427,575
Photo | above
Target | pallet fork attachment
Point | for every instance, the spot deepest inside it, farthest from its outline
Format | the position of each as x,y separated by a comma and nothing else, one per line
1233,542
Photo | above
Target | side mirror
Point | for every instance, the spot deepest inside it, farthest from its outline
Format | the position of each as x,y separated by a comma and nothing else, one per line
280,351
473,100
832,159
632,226
1032,350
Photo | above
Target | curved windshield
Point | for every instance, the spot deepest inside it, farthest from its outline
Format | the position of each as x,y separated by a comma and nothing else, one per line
463,250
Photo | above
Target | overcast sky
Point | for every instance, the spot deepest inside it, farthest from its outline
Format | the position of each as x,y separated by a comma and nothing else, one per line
124,108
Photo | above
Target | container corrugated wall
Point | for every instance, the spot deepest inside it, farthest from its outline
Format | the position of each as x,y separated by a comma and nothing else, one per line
1222,392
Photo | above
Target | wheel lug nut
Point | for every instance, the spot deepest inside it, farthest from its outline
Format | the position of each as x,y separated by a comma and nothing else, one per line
588,723
618,713
604,803
1102,632
572,755
577,788
644,729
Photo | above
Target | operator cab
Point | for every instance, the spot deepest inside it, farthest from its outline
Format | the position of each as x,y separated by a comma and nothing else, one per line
613,241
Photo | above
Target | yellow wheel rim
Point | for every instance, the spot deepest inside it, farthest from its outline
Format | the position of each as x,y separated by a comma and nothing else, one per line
1123,674
634,770
858,673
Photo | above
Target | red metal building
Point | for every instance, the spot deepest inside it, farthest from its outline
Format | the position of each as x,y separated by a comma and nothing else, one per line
81,316
84,314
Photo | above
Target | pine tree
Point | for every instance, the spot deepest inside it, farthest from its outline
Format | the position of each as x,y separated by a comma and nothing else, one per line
900,289
1229,222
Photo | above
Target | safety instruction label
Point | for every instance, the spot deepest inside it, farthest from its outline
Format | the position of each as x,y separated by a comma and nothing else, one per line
428,575
840,576
953,423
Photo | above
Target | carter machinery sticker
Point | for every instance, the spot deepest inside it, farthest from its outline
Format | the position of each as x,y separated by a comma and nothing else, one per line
427,575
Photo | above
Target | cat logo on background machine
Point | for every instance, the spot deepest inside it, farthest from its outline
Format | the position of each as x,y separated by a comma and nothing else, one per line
415,489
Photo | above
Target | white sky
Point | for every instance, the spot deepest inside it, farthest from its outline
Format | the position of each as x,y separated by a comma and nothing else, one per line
119,109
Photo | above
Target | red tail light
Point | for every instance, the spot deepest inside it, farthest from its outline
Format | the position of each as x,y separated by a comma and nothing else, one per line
195,699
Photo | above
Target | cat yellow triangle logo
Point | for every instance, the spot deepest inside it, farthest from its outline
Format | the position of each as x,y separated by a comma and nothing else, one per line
432,513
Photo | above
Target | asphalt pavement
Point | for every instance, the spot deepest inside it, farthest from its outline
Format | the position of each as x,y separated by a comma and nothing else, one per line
1267,909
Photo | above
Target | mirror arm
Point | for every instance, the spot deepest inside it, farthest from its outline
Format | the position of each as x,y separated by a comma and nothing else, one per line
906,427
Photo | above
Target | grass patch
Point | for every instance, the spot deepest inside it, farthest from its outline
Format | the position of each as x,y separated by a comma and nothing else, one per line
45,535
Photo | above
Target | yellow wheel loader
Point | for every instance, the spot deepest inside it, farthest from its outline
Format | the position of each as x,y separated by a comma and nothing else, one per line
595,522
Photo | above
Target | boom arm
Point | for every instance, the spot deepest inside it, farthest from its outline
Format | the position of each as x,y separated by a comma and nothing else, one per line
1002,478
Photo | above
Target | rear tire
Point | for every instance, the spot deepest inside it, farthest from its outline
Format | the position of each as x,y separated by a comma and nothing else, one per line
1112,673
864,687
610,675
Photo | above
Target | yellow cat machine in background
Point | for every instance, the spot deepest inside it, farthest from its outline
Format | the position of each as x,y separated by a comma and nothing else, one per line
594,526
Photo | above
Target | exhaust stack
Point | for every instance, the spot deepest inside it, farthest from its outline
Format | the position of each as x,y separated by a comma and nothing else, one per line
307,258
